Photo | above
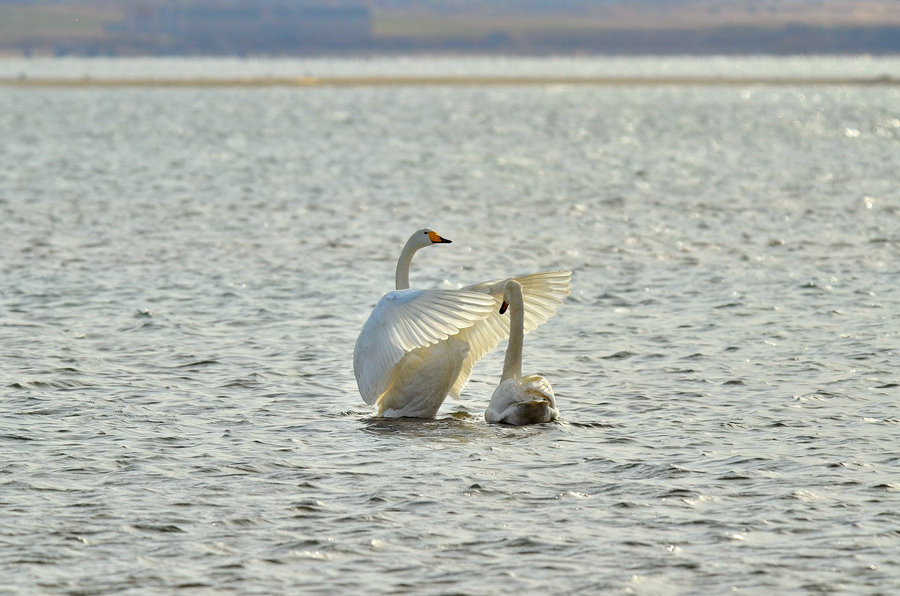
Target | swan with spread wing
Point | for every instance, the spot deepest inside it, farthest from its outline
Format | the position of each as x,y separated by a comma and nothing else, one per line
418,346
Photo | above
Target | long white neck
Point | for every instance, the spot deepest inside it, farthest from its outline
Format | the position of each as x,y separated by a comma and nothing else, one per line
401,278
512,364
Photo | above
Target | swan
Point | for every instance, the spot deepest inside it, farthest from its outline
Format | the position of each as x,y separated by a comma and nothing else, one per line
517,399
418,346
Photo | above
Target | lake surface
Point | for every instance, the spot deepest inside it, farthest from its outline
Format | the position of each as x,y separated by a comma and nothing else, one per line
185,270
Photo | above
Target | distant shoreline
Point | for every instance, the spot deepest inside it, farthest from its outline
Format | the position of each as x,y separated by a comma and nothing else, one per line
443,81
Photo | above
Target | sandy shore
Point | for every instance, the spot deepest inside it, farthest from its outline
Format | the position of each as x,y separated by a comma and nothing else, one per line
450,81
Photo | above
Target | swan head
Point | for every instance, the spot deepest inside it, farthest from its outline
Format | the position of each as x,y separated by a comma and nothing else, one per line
419,239
510,291
426,237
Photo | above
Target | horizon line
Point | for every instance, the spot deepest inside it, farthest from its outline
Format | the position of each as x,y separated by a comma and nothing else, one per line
442,81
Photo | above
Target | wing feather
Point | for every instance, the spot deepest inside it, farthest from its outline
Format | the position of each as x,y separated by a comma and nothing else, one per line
404,320
542,293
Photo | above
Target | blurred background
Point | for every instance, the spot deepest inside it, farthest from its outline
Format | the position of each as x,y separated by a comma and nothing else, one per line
534,27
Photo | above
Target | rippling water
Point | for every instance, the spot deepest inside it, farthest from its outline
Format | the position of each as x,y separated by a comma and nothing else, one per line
185,271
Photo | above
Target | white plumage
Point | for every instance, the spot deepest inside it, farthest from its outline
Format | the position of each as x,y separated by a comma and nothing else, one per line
418,346
542,294
409,322
522,401
519,400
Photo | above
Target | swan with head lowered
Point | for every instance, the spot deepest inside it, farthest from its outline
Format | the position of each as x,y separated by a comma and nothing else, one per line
517,399
418,346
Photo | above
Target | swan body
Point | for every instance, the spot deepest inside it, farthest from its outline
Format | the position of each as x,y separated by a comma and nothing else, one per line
519,400
418,346
407,357
422,380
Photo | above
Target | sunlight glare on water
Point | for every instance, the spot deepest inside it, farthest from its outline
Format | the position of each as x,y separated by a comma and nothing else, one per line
185,272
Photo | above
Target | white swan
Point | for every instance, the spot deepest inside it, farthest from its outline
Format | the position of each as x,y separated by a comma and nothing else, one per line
418,346
519,400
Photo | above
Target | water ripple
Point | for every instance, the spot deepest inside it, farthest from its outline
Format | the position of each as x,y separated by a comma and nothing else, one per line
185,272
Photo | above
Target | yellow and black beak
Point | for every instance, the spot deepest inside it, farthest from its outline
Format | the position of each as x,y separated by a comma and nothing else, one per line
504,306
436,238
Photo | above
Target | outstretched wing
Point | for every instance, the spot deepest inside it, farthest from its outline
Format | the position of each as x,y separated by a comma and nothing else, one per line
404,320
542,293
